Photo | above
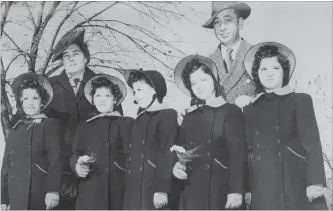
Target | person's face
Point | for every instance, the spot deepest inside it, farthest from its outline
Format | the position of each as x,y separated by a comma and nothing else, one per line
74,59
103,100
31,102
143,93
227,26
202,84
270,73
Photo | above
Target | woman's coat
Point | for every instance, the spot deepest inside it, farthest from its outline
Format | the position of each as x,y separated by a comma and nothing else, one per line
31,165
218,130
105,137
285,154
150,161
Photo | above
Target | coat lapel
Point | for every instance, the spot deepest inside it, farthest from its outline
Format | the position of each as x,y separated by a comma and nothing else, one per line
64,81
88,74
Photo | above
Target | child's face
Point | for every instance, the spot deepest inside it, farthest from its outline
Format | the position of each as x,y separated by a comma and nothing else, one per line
31,102
270,73
202,84
143,93
104,100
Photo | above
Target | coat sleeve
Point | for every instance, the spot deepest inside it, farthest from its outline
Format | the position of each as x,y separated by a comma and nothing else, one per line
167,134
53,147
77,148
307,129
4,176
236,145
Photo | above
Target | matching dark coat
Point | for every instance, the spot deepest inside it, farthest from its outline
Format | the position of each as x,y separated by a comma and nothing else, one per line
237,81
220,170
31,165
106,137
150,161
285,153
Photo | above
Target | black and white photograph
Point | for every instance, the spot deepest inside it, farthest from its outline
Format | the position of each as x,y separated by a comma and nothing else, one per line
166,105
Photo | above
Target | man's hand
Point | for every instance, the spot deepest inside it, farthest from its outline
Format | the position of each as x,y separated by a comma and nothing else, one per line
179,171
160,200
314,191
234,201
51,200
243,101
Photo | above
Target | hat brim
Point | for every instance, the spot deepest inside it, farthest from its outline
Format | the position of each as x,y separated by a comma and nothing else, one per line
284,50
34,76
76,36
181,66
244,12
113,79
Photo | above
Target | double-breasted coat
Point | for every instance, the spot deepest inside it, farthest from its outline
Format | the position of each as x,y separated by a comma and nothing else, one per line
285,154
31,165
150,161
105,137
237,81
218,130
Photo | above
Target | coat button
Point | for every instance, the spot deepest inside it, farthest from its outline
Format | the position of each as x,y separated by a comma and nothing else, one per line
129,171
208,141
141,168
107,144
28,171
277,128
257,133
257,145
130,145
129,159
208,154
12,152
12,163
106,157
207,166
106,169
278,141
29,146
142,155
29,159
143,141
279,154
258,157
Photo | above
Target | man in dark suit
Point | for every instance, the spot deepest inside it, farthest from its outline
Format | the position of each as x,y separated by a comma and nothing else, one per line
69,104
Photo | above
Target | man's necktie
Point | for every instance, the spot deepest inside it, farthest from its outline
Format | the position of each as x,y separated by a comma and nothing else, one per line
228,59
76,81
76,84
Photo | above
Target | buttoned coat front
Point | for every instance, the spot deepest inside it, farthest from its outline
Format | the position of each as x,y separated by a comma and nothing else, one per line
285,154
150,161
105,137
220,169
31,165
237,81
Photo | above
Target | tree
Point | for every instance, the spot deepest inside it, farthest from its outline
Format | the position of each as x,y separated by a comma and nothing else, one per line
44,22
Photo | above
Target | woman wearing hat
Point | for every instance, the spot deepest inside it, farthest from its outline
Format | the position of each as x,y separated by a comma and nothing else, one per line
215,180
99,147
154,131
285,159
31,169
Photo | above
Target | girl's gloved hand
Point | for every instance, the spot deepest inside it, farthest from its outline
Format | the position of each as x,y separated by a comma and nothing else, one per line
179,171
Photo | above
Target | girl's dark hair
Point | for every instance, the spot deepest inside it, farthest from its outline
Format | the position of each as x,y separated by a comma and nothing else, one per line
31,84
103,82
138,76
193,66
269,51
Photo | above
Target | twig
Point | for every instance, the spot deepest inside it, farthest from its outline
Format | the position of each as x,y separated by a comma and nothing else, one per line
31,15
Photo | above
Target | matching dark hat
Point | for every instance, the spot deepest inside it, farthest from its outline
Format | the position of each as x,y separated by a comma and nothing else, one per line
76,36
36,77
113,79
155,78
218,6
284,50
182,64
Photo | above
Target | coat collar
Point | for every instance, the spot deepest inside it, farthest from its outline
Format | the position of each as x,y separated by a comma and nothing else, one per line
281,92
154,107
115,113
34,119
215,103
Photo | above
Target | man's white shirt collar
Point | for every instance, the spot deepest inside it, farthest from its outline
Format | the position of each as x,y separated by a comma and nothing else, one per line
234,49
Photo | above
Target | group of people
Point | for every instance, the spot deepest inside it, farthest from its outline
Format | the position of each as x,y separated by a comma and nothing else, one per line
71,147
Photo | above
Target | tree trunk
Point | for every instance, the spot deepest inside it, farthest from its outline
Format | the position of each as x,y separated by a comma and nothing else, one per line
5,105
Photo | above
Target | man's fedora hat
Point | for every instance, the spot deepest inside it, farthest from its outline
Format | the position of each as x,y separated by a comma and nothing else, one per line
243,9
76,36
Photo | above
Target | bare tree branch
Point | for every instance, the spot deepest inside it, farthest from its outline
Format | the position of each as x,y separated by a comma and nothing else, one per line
40,15
17,47
49,51
327,160
30,14
51,71
5,105
8,4
10,63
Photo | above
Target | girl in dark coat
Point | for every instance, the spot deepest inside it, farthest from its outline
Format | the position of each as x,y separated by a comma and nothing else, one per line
285,154
31,169
215,180
99,147
155,129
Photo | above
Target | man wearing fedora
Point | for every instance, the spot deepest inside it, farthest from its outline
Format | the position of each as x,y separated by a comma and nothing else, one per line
227,20
69,104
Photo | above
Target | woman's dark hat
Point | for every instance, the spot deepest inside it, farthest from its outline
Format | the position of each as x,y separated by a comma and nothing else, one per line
284,50
155,78
76,36
218,6
36,77
182,64
113,79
